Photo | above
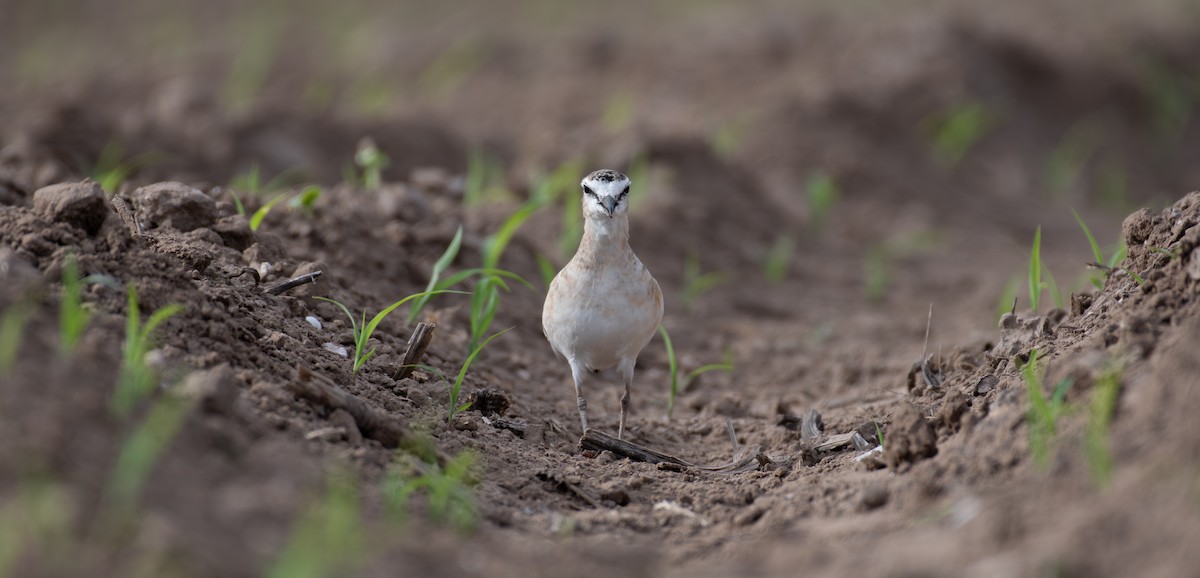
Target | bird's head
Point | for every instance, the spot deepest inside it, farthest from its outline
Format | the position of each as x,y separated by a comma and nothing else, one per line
605,194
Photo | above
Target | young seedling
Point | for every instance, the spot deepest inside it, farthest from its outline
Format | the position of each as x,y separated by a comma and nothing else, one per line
111,169
306,200
678,384
439,267
957,129
136,379
485,178
448,491
12,328
546,269
822,194
363,329
456,388
1098,253
372,161
328,539
485,296
775,267
1043,413
695,283
1035,270
1104,402
143,448
73,317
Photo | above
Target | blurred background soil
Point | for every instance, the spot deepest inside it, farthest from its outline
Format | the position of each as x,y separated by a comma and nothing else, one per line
810,179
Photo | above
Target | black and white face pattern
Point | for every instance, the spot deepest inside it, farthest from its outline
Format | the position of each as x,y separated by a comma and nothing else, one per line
605,194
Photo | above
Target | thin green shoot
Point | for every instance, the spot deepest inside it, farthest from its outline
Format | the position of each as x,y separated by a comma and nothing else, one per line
73,317
137,379
142,449
779,258
546,269
1098,253
363,329
328,539
306,200
372,161
257,218
37,521
1008,295
1035,271
449,494
729,136
439,267
697,283
251,182
678,384
485,178
485,296
639,181
1096,442
958,129
112,169
879,435
822,194
1071,155
1043,413
456,387
12,329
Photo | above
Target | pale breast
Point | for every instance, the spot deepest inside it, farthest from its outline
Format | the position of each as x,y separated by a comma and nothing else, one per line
602,315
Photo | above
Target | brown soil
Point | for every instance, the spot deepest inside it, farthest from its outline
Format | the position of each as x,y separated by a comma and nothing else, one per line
849,91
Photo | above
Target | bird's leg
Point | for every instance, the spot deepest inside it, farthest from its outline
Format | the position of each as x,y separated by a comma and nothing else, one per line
626,369
577,373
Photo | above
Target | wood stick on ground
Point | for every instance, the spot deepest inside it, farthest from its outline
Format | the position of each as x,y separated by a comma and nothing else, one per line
373,423
126,214
600,441
417,344
294,282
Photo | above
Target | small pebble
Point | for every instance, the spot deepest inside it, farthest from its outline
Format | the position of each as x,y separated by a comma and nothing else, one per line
312,320
336,349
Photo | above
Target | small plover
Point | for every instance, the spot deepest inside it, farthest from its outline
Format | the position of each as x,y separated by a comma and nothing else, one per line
603,307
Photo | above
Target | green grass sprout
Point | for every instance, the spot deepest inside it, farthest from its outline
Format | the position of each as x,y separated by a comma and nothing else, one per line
363,329
546,269
136,379
1043,413
778,260
822,194
678,384
449,494
73,317
485,179
328,539
144,446
306,200
456,388
957,129
257,218
1035,271
1098,253
372,161
697,283
112,168
439,267
12,328
1096,441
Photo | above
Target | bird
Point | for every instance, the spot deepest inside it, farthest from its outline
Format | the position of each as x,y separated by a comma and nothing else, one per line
604,306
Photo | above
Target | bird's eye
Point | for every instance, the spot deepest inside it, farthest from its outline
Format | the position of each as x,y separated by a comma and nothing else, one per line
588,191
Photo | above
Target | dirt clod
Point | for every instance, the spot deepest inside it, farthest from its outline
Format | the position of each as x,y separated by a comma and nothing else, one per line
910,438
175,205
78,204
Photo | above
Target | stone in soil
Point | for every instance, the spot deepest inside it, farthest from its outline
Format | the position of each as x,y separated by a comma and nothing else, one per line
174,205
79,204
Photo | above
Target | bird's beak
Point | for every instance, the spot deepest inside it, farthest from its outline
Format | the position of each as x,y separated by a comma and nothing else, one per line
610,205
